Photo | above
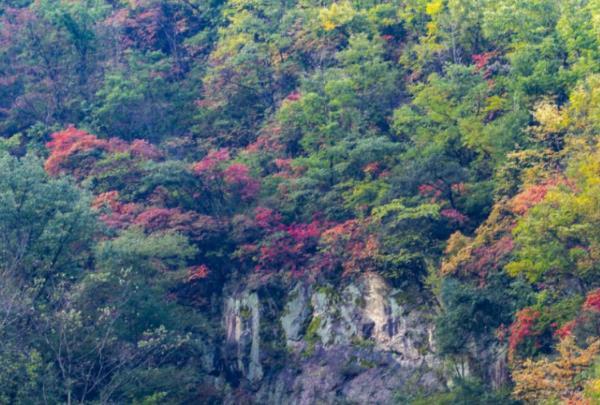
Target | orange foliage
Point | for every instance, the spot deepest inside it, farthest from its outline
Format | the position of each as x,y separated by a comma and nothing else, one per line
72,141
119,215
592,301
198,272
534,194
545,381
68,142
485,252
108,199
350,245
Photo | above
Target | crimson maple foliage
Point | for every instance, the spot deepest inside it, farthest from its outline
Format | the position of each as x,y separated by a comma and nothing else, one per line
269,141
267,218
490,257
454,215
120,215
209,163
433,191
155,218
592,301
72,141
350,246
534,194
144,149
294,96
67,143
521,329
566,329
482,62
529,197
198,272
283,247
290,248
238,175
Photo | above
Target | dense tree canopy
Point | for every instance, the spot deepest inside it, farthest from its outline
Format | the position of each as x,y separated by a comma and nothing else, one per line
153,152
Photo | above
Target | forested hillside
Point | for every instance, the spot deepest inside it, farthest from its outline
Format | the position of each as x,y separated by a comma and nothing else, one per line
300,202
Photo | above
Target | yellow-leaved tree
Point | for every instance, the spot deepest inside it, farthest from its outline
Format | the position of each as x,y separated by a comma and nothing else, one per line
547,381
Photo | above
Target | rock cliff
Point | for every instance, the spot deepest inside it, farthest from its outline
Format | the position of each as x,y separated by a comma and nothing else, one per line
360,344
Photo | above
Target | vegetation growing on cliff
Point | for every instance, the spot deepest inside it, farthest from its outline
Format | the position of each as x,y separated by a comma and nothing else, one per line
154,151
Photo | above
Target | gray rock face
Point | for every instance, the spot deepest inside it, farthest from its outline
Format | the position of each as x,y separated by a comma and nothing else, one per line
242,331
356,344
296,314
367,311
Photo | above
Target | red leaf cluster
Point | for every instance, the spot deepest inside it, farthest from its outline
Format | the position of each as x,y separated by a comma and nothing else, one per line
350,246
454,215
154,218
489,257
120,215
566,329
482,62
267,218
294,96
144,149
67,143
108,199
591,304
438,192
534,194
433,191
482,59
72,141
592,301
286,169
528,198
289,248
238,175
372,168
522,328
208,165
198,272
283,247
267,141
284,164
311,247
196,227
303,232
144,24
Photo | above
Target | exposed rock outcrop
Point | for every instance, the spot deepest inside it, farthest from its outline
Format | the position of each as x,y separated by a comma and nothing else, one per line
360,344
242,331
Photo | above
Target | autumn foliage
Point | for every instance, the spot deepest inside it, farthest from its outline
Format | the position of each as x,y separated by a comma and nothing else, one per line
592,301
523,328
531,196
216,168
114,213
198,272
208,165
166,162
350,246
69,142
284,247
546,380
75,142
